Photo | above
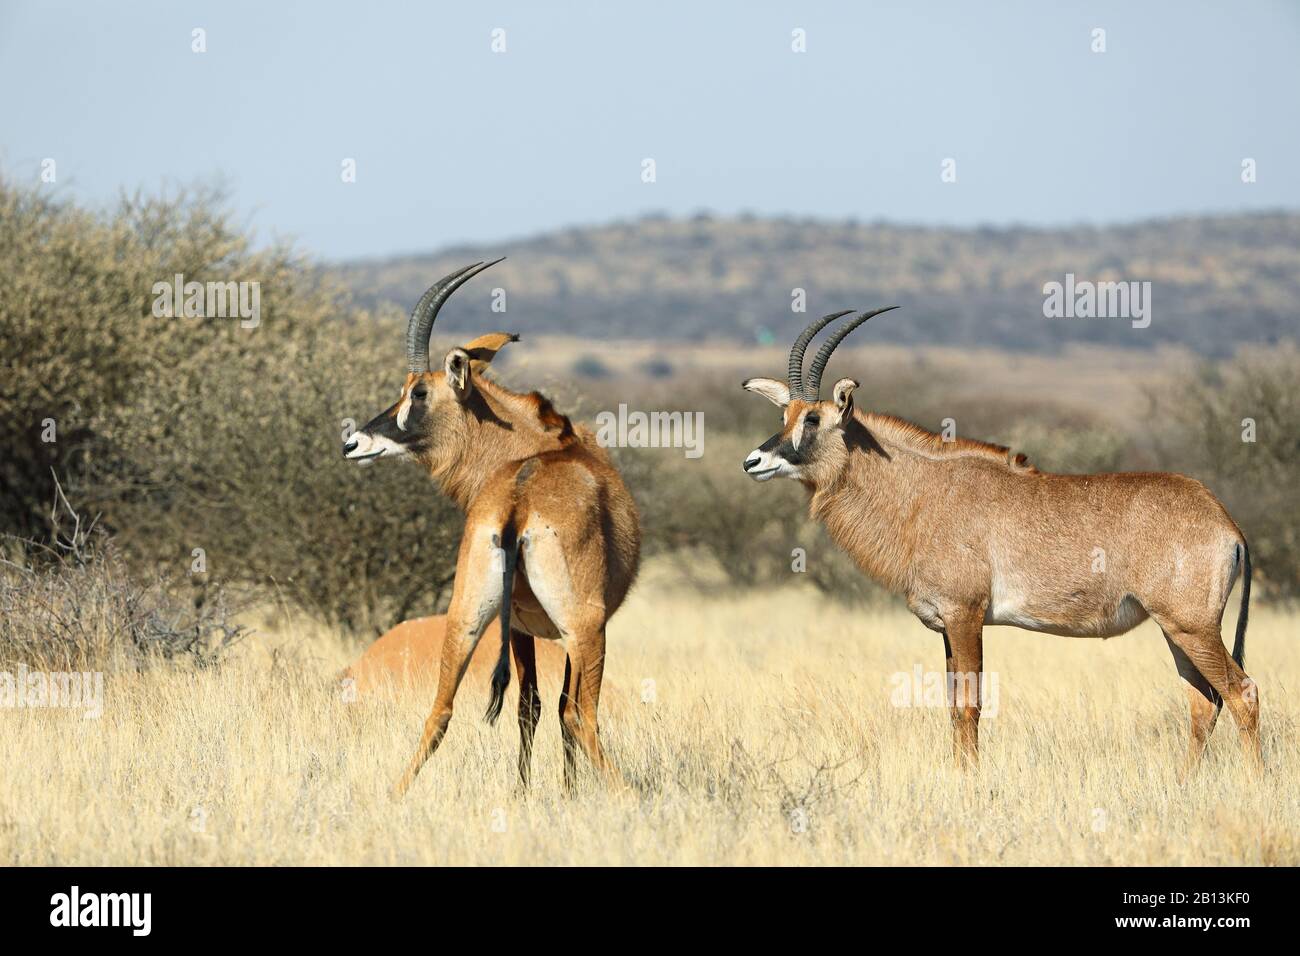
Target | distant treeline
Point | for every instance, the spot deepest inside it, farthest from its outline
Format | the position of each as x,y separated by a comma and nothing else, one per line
1217,282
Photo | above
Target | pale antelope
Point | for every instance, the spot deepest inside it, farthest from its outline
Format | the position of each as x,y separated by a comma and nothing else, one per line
551,532
972,534
406,658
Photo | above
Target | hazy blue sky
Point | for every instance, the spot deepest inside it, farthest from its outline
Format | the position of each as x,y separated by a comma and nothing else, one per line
456,143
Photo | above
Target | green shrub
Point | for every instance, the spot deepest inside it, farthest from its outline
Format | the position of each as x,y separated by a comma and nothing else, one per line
199,433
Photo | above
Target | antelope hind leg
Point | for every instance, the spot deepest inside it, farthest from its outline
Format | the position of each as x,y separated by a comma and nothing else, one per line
567,579
1204,703
475,601
1206,652
588,656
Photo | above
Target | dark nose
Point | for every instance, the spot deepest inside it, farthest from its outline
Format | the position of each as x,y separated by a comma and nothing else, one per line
750,463
349,446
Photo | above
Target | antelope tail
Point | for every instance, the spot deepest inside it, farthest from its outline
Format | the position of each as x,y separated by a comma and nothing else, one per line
1239,643
501,673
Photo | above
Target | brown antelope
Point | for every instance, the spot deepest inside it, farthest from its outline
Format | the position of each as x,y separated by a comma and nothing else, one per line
406,658
551,533
971,534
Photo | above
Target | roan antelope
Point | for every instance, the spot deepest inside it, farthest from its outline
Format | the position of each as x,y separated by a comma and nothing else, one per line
971,534
406,658
551,532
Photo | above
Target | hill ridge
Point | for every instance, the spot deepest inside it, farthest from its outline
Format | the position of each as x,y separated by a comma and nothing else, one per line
1218,281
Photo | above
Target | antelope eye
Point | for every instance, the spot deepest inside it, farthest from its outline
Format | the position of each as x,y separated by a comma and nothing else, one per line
812,419
419,392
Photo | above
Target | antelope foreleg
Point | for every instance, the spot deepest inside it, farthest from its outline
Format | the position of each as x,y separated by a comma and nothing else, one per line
964,651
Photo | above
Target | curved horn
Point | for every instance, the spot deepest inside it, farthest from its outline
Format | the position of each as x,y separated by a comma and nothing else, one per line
426,311
795,376
823,355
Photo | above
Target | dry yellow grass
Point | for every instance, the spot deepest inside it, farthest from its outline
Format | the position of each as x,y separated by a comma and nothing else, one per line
769,738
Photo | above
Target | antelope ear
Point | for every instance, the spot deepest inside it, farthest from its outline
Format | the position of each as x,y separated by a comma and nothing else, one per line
778,393
843,393
484,348
458,364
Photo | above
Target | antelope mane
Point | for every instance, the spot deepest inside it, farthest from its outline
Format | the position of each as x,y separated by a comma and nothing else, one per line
932,445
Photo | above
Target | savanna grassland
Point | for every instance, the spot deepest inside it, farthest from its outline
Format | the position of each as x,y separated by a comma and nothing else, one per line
754,729
176,515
